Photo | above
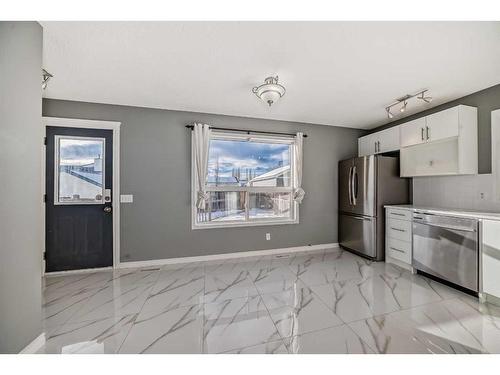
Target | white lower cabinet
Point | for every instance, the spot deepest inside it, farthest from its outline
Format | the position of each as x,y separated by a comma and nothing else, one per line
490,255
398,237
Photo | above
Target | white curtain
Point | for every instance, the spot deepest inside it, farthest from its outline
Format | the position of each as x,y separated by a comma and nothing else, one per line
298,193
201,144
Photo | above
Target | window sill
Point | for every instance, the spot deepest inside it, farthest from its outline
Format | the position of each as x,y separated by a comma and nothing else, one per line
222,225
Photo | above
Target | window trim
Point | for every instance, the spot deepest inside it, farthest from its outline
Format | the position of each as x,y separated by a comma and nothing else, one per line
223,135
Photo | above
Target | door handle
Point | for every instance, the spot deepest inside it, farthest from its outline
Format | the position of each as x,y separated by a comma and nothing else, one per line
422,134
349,188
375,147
354,185
107,209
427,132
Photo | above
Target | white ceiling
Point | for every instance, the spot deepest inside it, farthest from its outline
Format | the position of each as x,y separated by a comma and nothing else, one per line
335,73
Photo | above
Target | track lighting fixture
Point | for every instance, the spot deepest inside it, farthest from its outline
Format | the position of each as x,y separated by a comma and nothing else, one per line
46,76
403,101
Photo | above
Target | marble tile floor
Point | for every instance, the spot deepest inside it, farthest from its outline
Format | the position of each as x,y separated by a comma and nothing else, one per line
328,301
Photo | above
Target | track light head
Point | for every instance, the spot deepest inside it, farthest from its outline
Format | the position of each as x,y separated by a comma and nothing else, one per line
389,113
403,108
426,99
46,76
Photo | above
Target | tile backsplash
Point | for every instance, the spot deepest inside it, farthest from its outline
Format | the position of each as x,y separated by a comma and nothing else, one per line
476,192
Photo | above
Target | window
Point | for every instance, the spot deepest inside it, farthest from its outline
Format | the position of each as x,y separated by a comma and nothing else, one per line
79,172
249,182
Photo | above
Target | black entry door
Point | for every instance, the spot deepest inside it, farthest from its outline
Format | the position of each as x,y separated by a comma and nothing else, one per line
79,183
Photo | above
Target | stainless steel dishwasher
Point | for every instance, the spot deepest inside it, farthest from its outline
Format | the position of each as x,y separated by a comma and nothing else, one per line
447,247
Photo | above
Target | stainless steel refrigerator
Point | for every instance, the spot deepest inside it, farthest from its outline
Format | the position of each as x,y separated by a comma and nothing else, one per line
366,184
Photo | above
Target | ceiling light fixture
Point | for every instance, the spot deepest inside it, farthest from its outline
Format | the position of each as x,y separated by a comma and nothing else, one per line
404,101
46,76
270,91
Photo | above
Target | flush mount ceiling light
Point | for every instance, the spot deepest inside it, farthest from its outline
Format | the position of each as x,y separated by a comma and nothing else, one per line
270,91
46,76
403,101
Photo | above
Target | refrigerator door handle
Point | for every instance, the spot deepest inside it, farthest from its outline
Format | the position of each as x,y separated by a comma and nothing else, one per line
354,185
350,186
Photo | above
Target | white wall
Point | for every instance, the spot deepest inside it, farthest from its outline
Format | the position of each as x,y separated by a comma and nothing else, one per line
462,192
20,180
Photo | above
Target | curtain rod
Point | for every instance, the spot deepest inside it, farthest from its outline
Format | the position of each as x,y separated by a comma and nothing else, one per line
248,131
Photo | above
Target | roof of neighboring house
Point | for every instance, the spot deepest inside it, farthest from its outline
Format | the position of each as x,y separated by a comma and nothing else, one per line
271,174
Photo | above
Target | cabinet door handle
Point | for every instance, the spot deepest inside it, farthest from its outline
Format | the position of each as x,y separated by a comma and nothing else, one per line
422,134
397,214
375,147
378,143
427,132
393,248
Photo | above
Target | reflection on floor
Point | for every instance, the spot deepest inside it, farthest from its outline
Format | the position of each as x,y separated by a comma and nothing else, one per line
323,302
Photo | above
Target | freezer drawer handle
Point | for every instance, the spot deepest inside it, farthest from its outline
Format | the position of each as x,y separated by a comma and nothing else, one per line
399,230
360,218
393,248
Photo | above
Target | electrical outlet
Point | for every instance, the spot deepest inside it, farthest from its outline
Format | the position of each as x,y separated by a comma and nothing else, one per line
268,236
481,195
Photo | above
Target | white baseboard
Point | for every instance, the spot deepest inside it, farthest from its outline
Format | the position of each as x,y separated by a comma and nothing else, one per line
33,346
244,254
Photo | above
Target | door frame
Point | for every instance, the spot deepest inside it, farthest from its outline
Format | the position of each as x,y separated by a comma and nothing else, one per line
89,124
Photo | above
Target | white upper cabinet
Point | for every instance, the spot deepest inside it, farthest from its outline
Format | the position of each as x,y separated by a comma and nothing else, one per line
376,143
444,124
413,132
367,145
388,139
447,145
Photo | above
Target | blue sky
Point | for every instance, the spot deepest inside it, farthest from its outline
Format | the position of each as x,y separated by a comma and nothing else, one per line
261,157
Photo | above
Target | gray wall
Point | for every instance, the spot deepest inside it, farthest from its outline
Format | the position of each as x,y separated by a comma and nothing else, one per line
156,169
20,171
486,101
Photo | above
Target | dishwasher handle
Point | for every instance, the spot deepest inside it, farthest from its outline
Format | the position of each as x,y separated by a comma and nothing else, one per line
459,228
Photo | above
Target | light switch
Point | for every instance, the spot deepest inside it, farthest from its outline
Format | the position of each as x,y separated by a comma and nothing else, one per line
126,198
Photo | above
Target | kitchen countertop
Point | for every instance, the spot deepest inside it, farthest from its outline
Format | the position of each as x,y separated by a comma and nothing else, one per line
449,211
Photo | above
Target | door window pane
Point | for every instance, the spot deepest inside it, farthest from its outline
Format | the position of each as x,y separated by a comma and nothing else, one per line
79,170
223,206
248,163
269,205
